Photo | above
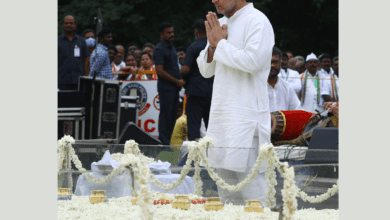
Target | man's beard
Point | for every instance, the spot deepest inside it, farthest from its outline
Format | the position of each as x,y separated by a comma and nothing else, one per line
229,9
271,75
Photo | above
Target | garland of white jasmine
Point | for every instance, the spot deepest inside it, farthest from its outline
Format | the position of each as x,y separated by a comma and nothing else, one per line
319,198
177,182
197,179
132,156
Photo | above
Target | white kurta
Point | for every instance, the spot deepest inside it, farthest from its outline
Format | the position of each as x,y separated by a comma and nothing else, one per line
282,97
310,104
326,73
292,77
327,86
240,104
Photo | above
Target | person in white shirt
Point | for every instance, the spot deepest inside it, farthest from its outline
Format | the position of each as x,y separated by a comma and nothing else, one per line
291,76
118,62
238,54
284,62
330,93
281,95
325,64
312,85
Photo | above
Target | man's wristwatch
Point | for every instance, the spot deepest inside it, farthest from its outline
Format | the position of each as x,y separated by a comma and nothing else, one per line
212,48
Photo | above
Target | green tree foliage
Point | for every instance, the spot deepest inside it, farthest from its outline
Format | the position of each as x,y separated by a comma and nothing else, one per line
300,26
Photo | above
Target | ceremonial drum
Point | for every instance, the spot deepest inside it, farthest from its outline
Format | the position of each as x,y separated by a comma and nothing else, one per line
287,125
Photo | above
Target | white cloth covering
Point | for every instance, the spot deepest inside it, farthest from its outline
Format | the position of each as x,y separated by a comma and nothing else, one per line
292,78
327,86
240,102
106,160
162,166
282,97
119,186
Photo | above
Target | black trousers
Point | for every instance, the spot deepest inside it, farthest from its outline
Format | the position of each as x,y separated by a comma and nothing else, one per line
169,104
196,109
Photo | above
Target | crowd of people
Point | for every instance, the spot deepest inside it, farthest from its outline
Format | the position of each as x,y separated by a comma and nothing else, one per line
226,81
294,83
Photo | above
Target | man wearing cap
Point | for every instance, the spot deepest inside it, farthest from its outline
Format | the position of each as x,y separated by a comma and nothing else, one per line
72,56
238,55
312,85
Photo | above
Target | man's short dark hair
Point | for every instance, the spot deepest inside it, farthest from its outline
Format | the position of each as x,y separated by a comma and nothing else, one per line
104,32
284,55
335,58
87,31
181,49
63,21
112,47
163,26
200,26
277,51
325,55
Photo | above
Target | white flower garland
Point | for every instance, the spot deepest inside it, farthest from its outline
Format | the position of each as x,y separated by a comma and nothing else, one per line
268,151
319,198
177,182
133,157
221,183
141,173
289,191
79,166
61,146
197,179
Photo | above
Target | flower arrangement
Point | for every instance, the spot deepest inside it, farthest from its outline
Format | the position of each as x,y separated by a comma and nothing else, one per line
134,158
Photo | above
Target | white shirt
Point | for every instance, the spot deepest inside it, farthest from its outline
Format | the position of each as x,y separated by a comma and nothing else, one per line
292,77
327,86
326,73
122,64
282,97
117,68
240,106
310,104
